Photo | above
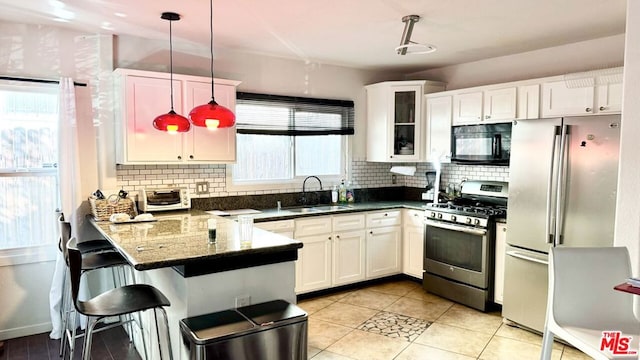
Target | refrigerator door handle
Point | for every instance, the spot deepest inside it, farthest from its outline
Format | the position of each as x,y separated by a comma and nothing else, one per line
522,256
561,185
549,218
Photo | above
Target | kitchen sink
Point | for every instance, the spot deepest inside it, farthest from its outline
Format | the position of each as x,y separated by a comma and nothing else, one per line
303,210
312,209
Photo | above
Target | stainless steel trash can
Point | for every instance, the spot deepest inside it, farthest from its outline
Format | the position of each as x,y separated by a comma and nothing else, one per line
270,330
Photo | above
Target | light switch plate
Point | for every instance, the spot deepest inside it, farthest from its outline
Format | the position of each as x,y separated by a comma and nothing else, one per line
202,187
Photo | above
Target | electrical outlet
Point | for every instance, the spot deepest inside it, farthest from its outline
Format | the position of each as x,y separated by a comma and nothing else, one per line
202,187
243,300
394,179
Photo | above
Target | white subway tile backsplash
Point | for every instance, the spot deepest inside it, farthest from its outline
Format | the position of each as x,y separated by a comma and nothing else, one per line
363,175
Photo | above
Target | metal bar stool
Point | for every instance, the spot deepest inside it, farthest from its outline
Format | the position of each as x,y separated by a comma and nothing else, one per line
90,261
122,300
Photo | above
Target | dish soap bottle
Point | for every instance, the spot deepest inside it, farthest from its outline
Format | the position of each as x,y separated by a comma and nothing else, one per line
334,194
342,193
350,194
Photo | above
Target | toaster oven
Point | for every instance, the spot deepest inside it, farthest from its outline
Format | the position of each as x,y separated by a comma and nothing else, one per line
165,199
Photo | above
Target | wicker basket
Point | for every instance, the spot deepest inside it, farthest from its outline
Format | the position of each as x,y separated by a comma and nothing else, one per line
103,209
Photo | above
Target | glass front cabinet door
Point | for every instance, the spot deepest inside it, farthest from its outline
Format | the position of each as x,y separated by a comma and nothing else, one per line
394,121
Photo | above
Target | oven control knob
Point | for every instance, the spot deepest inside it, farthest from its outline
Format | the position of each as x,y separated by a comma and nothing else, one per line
439,216
476,222
453,218
433,214
468,220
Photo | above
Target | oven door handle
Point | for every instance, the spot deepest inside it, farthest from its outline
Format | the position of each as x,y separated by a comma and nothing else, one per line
463,229
519,255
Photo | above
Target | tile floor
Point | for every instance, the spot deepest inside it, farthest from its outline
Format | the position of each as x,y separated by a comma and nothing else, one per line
399,320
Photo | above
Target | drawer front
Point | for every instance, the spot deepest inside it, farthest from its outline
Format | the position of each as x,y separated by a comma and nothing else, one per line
348,222
275,226
414,217
313,226
384,218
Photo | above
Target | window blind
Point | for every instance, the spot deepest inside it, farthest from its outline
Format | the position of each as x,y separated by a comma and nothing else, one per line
264,114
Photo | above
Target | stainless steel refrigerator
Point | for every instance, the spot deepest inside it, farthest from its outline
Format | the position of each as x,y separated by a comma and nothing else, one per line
562,192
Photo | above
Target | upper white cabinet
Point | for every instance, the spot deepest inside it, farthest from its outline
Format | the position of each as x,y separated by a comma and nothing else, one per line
596,92
467,108
438,116
143,95
484,106
394,120
558,99
528,102
499,105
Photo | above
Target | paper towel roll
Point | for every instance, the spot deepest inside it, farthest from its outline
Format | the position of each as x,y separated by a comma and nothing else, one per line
404,170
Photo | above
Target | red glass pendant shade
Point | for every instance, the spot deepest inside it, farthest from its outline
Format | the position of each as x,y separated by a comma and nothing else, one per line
212,116
171,123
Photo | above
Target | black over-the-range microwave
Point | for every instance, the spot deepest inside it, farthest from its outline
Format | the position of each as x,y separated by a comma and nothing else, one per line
486,144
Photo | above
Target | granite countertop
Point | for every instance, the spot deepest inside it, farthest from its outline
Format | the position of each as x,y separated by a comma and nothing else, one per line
324,209
181,241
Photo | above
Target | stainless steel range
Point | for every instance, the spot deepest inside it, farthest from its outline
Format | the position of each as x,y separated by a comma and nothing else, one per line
460,243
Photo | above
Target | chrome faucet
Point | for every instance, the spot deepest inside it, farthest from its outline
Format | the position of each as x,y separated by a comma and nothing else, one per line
304,190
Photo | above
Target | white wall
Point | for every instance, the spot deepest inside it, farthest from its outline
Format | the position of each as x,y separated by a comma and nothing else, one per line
627,231
586,55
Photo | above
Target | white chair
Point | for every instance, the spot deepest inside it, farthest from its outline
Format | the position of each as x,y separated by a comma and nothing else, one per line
582,302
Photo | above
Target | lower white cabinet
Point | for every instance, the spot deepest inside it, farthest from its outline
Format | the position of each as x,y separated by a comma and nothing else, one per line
501,243
413,243
313,268
348,257
384,243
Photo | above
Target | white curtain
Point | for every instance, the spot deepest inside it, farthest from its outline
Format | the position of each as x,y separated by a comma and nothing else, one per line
70,193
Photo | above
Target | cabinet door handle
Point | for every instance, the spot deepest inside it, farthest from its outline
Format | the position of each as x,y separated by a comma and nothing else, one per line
588,109
602,108
191,157
179,157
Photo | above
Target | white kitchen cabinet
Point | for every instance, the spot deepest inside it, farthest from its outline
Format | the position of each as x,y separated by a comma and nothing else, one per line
144,95
202,144
438,123
559,99
467,108
384,244
413,243
484,106
499,105
528,100
313,267
501,243
394,120
609,98
282,227
348,248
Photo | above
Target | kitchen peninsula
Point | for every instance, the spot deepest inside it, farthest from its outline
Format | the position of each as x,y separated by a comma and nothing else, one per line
173,255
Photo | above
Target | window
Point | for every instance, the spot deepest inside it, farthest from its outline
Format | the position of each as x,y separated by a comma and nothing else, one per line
281,139
28,169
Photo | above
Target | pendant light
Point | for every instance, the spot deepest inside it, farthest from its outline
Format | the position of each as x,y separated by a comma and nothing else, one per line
171,122
212,115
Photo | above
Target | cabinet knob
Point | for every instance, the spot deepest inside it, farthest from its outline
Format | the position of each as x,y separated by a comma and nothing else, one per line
329,238
385,214
588,109
487,116
602,108
179,157
504,229
191,157
337,236
371,232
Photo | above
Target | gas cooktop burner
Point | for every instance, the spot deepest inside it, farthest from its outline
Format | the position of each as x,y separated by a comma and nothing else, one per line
474,210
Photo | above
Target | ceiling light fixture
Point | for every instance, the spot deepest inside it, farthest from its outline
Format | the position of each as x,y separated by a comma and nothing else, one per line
212,115
171,122
410,47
